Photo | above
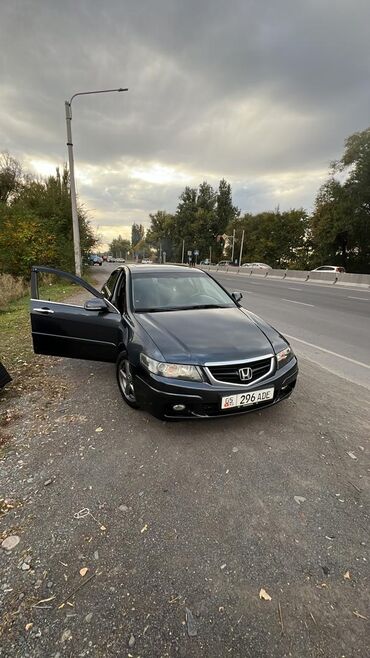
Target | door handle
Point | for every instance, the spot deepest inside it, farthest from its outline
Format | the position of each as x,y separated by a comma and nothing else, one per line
45,311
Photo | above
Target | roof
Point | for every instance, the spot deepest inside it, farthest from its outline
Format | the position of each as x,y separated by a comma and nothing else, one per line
154,268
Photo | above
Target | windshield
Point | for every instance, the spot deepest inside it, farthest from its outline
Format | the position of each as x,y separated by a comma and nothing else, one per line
172,291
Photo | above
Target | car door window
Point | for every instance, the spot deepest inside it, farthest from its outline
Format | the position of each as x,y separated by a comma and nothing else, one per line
42,277
119,298
109,286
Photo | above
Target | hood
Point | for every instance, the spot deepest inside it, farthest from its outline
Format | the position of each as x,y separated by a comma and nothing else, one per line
202,335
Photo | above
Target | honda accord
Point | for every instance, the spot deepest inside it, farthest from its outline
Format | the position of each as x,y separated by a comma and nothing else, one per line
183,346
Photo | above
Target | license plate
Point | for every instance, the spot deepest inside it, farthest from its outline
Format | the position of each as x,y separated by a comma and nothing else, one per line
245,399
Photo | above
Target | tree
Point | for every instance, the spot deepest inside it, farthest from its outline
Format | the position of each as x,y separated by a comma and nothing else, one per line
25,241
10,176
340,225
137,234
40,209
161,233
274,237
119,247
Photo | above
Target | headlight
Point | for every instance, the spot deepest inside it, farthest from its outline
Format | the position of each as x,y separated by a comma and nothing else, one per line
284,356
171,370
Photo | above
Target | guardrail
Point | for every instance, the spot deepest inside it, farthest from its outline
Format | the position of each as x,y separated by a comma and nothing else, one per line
337,278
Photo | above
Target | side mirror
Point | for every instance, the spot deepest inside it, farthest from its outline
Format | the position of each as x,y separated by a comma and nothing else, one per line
95,304
237,296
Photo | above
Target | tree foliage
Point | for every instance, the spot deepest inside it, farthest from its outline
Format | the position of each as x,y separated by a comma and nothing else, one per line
340,224
119,247
137,234
36,221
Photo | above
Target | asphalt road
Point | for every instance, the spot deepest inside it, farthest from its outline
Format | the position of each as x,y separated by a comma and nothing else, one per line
195,516
328,325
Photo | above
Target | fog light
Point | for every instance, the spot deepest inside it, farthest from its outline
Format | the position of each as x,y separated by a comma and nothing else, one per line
178,407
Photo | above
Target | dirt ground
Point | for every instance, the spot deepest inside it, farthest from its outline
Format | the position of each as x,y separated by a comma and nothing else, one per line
186,523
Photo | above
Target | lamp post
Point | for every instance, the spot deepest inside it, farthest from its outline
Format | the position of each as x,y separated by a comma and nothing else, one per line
75,226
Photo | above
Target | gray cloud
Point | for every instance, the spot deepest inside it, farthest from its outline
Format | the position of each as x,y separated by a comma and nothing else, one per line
261,93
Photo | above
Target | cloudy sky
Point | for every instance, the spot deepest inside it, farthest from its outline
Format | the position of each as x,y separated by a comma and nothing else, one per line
261,92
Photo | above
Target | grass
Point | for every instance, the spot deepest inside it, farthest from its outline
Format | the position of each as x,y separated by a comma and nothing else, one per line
11,288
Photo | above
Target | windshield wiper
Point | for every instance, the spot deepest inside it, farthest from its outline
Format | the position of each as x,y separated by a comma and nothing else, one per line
206,306
162,309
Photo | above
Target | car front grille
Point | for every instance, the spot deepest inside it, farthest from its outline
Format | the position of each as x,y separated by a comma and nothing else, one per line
229,372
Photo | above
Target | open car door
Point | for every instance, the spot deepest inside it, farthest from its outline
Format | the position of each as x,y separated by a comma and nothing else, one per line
92,330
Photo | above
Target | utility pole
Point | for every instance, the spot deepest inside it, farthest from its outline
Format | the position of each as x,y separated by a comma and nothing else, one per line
241,249
72,182
210,255
183,251
75,225
160,251
232,251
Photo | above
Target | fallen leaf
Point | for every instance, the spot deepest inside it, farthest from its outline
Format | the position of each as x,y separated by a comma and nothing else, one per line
102,527
299,499
350,454
264,595
28,626
144,529
83,571
44,601
357,614
99,429
347,575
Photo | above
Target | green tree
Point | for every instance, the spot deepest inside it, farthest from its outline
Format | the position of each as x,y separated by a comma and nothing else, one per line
119,247
137,234
162,235
46,205
11,176
276,238
340,224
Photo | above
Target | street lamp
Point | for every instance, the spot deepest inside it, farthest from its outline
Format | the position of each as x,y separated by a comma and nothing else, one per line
75,226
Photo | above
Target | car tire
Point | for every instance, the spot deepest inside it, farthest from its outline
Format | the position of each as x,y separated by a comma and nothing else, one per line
126,381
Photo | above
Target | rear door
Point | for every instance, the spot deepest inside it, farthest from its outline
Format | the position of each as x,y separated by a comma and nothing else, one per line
73,329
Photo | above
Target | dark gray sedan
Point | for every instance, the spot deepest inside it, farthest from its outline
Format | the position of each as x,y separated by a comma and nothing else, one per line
183,346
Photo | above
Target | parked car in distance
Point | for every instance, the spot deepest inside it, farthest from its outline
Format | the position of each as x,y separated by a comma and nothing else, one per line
205,262
257,266
329,268
184,347
224,263
146,261
119,260
94,259
110,258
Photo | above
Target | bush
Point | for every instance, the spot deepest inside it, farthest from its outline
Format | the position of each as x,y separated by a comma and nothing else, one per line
11,288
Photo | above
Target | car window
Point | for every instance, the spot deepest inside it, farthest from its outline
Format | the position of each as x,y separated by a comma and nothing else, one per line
48,282
172,291
108,287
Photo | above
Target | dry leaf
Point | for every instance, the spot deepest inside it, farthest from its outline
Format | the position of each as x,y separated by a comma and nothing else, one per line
264,595
99,429
28,626
144,529
44,600
357,614
83,571
347,575
102,527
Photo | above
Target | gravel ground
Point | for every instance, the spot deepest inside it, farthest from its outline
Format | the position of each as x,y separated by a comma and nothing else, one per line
187,523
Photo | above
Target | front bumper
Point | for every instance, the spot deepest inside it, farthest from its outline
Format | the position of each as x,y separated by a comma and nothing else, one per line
202,400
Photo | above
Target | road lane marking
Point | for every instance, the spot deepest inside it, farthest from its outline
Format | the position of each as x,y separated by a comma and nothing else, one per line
363,299
293,302
299,289
323,349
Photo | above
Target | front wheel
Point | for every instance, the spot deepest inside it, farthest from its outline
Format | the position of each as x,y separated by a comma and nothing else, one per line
125,381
